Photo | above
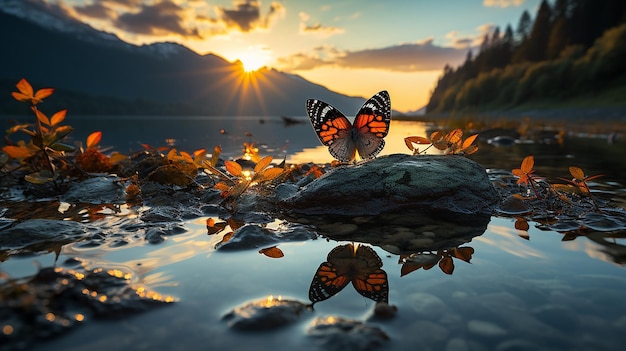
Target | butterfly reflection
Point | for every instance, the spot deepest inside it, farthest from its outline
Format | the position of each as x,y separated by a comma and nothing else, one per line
350,263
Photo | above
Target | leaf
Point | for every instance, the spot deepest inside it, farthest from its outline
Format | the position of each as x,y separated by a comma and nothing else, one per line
262,164
234,168
468,142
117,157
94,139
409,267
527,164
18,152
58,117
217,150
24,87
43,93
521,224
41,116
577,173
272,252
39,177
213,227
470,149
447,265
454,136
271,173
62,147
463,253
409,141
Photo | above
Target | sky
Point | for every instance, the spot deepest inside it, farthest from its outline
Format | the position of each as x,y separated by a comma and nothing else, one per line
354,47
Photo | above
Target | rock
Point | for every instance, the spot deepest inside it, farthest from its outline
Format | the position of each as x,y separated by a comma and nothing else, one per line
403,232
254,236
41,232
267,313
97,190
340,334
386,184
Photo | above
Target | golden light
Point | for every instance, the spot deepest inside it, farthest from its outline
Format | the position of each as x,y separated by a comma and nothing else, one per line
254,58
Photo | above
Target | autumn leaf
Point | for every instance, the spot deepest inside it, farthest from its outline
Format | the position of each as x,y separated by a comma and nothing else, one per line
446,264
273,252
18,152
262,164
27,94
271,173
94,139
41,116
214,227
525,171
58,117
234,168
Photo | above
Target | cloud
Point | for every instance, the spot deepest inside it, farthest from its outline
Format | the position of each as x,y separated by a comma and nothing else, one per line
410,57
317,29
162,18
246,16
502,3
468,41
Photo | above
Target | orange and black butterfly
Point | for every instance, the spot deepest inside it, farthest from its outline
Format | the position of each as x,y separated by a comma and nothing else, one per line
343,138
349,263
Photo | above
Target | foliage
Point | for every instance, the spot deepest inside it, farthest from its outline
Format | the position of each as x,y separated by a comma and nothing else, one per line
450,143
428,260
574,48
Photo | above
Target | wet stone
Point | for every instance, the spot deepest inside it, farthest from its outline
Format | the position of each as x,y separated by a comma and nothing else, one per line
253,236
97,190
42,231
341,334
392,182
267,313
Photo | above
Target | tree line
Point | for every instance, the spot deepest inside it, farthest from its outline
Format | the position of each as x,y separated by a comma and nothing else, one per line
571,48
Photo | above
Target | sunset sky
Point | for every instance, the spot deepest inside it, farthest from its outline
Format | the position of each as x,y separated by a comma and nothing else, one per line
355,47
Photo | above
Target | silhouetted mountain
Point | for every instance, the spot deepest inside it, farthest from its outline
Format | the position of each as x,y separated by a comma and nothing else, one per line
97,73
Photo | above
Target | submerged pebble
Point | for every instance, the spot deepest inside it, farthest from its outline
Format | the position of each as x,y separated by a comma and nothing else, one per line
268,313
339,334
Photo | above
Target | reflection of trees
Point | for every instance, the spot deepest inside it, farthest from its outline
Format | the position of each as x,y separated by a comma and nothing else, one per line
350,263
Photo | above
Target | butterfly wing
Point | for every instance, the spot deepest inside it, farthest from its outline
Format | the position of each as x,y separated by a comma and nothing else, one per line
373,285
333,129
372,124
326,283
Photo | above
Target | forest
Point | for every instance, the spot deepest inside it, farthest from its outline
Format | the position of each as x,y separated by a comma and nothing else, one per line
572,51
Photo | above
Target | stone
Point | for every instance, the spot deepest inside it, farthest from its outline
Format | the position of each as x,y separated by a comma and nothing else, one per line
386,184
266,313
40,232
338,334
254,236
97,190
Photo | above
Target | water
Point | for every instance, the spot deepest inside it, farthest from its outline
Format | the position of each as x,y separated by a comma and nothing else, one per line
540,292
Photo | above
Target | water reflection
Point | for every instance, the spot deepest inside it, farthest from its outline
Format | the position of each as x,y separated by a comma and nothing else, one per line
355,263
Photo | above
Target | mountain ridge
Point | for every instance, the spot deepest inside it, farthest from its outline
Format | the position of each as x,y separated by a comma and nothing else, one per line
102,68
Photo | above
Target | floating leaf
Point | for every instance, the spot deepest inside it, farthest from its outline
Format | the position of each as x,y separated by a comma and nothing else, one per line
272,252
447,265
214,227
463,253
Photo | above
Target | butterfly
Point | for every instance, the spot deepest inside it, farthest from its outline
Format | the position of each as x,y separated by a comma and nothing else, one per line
349,263
345,139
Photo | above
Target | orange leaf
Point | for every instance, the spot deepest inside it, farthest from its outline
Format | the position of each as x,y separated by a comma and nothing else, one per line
41,117
463,253
43,93
25,88
234,168
446,265
93,139
272,252
263,163
454,136
58,117
521,224
527,164
21,97
217,150
18,152
577,173
271,173
467,142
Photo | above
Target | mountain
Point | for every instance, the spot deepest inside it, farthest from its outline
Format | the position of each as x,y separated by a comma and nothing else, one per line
97,73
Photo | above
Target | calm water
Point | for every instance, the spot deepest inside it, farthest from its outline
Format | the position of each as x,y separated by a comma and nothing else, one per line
516,294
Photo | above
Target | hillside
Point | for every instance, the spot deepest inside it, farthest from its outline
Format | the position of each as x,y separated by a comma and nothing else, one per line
100,74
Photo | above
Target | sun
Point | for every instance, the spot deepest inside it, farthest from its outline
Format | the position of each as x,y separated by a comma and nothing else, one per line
252,62
253,59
